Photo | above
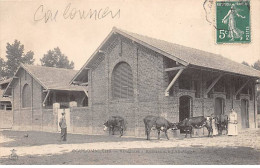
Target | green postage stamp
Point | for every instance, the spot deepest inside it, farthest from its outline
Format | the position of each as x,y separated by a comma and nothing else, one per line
233,22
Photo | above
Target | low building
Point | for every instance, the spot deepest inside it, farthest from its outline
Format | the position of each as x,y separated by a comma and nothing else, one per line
133,76
6,117
36,91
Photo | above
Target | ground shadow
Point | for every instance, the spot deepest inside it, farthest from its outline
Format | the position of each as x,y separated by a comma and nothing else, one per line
43,138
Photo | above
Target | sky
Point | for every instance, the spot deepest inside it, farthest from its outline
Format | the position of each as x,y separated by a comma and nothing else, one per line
178,21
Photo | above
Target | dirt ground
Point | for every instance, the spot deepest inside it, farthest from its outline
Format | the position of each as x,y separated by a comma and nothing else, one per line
45,148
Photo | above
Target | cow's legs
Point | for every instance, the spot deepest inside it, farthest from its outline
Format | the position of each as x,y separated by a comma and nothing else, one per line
210,130
158,134
110,130
220,129
147,131
166,134
190,131
148,134
186,131
121,132
113,130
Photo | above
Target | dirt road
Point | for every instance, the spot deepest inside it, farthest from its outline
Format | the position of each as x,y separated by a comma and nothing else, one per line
45,148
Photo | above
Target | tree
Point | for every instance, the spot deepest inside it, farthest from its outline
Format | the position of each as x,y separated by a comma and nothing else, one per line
256,65
245,63
2,68
55,58
15,56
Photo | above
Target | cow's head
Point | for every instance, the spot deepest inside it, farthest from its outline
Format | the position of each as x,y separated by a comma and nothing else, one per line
105,126
182,123
174,126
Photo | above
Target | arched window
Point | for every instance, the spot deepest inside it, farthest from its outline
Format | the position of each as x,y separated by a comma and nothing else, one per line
26,96
122,81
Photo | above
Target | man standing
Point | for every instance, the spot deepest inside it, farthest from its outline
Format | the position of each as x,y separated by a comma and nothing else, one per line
232,123
63,127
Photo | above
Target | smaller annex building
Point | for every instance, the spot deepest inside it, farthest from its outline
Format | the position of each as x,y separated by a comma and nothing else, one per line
5,106
38,95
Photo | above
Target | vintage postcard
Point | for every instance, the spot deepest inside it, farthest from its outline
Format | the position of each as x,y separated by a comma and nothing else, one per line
173,82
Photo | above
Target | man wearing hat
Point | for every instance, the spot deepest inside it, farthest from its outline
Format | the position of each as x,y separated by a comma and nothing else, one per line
63,127
232,123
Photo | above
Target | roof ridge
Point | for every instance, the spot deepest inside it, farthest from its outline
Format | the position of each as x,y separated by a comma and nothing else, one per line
125,31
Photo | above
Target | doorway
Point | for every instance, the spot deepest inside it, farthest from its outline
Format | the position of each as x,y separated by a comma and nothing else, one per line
244,113
184,109
219,106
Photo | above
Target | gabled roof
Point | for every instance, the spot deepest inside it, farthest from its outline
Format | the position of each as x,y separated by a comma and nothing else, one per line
50,78
184,55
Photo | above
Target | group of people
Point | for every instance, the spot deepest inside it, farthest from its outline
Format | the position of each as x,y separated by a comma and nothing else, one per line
232,124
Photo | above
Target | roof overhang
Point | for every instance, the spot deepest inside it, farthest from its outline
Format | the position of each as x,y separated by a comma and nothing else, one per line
225,72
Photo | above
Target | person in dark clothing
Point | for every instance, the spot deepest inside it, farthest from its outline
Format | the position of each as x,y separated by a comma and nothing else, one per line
63,127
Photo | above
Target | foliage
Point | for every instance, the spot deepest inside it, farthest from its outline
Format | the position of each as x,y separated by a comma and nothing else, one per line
2,68
55,58
245,63
256,65
15,56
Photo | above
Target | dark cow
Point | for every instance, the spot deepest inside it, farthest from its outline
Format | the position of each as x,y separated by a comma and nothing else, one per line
222,123
159,123
115,122
195,122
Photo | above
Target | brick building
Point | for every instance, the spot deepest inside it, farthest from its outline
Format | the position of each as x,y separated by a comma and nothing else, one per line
133,75
34,90
5,106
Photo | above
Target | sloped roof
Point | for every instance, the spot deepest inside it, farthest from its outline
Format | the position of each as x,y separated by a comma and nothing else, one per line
185,55
51,78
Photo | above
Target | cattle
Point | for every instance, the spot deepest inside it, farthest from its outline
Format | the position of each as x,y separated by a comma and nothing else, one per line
159,123
222,123
195,122
115,122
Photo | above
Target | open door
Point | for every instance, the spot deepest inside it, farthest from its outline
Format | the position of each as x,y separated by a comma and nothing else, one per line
219,106
244,114
184,108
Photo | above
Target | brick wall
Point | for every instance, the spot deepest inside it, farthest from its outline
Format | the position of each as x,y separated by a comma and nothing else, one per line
49,120
6,119
28,118
81,120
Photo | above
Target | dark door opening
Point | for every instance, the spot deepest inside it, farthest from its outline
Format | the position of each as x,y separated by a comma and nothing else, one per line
184,109
219,106
244,114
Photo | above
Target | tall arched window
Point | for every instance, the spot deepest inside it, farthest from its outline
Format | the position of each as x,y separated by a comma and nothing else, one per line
26,96
122,81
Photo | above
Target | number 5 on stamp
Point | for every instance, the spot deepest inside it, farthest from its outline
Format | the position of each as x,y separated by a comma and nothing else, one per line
233,22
